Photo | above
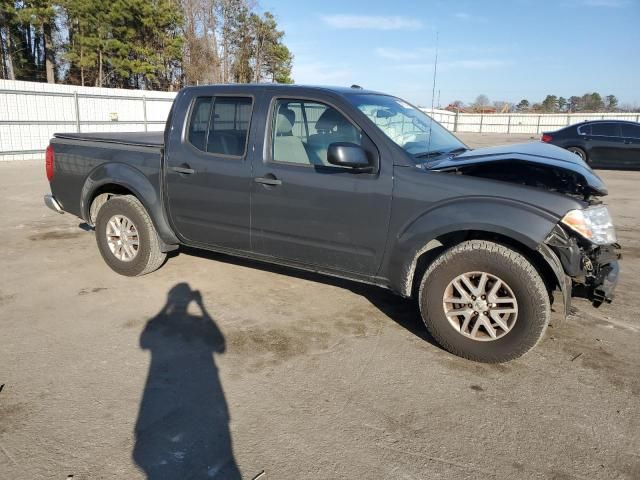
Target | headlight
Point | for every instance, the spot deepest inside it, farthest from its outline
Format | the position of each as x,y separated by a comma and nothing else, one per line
593,223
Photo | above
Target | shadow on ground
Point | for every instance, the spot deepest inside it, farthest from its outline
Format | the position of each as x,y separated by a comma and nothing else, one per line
182,429
403,311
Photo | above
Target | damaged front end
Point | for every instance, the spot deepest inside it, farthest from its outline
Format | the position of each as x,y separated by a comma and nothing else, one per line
593,269
582,248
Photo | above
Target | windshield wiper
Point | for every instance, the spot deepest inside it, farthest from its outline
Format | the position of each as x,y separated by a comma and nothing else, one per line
459,150
428,154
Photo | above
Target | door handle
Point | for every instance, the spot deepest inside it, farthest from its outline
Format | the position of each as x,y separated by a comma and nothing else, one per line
268,180
183,170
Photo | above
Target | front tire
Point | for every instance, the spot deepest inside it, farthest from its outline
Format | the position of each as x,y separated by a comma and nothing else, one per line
484,301
126,237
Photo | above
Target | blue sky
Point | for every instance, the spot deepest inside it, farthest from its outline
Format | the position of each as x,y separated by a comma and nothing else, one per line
508,50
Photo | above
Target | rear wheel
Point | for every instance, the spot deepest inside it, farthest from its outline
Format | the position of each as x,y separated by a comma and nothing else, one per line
580,152
126,237
484,301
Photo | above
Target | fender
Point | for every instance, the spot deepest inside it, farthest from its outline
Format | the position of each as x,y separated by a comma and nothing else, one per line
141,186
520,221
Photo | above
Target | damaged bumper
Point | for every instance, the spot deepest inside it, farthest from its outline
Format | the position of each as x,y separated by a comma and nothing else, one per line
593,269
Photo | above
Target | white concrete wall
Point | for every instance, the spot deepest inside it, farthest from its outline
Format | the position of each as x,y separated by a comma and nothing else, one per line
31,112
531,123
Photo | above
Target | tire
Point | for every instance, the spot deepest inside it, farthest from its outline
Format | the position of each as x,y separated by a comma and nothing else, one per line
581,153
520,281
144,251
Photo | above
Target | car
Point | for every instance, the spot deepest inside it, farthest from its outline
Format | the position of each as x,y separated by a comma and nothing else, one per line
356,184
602,144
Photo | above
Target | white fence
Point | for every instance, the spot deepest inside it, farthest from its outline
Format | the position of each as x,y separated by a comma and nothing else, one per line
518,122
30,113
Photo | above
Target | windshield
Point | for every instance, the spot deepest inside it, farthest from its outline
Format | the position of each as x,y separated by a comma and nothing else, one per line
410,128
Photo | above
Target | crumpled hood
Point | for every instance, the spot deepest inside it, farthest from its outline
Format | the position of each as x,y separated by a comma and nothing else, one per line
547,157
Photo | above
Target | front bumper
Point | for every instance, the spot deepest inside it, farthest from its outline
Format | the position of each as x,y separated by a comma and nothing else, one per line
593,269
51,202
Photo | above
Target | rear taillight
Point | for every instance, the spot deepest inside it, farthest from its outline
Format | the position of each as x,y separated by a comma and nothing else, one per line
48,161
546,138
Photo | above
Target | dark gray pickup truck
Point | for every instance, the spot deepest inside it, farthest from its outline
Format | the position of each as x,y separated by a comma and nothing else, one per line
356,184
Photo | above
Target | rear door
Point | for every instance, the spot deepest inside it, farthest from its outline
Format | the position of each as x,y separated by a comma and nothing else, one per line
208,169
606,144
631,138
307,211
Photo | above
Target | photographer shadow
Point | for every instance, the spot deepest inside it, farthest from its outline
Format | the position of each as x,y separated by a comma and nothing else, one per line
182,430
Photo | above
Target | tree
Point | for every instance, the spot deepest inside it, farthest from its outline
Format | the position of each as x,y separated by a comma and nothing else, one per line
611,103
481,101
160,44
575,104
562,104
592,102
523,106
550,104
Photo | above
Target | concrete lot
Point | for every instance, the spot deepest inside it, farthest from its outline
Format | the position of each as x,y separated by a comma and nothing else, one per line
296,375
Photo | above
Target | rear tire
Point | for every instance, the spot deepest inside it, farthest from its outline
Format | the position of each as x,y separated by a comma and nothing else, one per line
126,237
580,152
519,289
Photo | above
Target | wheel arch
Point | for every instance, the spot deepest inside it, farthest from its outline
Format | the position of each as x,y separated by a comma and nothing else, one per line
425,256
113,179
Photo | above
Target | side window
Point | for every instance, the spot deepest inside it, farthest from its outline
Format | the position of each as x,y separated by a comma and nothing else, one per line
220,125
630,130
199,122
605,129
584,130
303,130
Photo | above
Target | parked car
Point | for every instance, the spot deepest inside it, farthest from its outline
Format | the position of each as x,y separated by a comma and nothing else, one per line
603,144
356,184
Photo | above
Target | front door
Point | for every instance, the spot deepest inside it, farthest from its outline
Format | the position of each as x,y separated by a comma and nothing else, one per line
305,210
208,172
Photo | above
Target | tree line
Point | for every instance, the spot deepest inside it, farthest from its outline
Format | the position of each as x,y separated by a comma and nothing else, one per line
589,102
144,44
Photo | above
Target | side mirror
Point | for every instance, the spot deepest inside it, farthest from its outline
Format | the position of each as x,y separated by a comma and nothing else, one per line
345,154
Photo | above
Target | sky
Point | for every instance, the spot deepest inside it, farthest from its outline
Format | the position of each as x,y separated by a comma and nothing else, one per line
507,50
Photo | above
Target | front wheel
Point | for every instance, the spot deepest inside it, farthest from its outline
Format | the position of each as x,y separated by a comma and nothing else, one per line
126,237
484,301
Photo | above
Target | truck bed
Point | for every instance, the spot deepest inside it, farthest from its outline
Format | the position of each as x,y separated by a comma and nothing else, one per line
143,139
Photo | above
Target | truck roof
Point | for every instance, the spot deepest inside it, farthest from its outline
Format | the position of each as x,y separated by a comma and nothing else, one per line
298,89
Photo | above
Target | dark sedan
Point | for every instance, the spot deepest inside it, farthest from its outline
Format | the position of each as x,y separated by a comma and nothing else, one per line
603,143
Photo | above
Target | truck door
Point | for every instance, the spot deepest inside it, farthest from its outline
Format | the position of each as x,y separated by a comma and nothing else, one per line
307,211
208,170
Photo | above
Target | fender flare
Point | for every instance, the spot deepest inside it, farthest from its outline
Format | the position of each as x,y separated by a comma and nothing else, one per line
139,185
523,223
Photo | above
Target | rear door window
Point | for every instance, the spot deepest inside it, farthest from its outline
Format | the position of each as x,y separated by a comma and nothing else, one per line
605,129
630,131
220,125
584,130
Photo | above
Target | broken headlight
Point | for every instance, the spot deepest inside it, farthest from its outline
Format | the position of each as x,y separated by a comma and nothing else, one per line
593,223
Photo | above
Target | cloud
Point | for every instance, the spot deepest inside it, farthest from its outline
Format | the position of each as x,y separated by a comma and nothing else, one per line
371,22
466,17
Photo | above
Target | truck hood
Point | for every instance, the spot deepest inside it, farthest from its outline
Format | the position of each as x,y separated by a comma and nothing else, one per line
535,164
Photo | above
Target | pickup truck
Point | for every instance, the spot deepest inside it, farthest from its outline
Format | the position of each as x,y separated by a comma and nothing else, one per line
356,184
